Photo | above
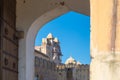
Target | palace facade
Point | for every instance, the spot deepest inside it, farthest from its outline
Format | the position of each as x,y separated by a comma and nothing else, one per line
48,64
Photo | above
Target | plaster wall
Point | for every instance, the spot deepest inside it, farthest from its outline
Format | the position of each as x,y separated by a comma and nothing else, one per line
29,10
117,44
105,63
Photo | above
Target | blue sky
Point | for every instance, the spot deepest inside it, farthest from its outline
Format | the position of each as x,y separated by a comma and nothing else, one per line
73,31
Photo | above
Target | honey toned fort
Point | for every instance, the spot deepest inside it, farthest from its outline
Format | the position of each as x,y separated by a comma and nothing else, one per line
48,64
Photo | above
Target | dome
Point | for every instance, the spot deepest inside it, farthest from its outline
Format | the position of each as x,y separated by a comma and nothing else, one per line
50,35
56,40
70,60
78,63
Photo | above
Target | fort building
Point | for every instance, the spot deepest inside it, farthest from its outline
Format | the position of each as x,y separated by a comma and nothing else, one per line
48,64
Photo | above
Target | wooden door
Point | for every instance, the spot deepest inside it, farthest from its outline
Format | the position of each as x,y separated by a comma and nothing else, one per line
8,41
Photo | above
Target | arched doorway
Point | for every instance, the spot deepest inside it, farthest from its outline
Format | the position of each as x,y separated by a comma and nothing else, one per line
103,41
30,38
31,34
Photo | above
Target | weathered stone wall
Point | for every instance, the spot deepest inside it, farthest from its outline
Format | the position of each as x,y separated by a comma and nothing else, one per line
117,43
105,40
45,69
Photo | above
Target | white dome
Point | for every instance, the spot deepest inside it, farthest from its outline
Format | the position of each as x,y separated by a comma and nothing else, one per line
70,60
56,40
78,63
50,35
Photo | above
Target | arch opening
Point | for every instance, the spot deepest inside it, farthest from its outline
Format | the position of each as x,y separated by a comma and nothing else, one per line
27,62
73,37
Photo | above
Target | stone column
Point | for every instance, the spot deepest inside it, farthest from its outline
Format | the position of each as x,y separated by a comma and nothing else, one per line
117,44
105,40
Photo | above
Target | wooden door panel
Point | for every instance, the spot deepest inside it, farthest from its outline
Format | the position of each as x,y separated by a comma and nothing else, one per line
8,41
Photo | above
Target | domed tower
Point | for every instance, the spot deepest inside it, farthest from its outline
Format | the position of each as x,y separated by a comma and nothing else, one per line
56,51
70,66
51,47
70,60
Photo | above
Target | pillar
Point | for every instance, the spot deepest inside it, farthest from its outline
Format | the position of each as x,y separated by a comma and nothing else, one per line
105,40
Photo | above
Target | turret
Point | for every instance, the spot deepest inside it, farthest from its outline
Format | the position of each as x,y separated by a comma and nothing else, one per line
56,40
51,47
50,36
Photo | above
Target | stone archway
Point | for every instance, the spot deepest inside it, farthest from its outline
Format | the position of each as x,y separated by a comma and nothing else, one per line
27,73
30,23
104,41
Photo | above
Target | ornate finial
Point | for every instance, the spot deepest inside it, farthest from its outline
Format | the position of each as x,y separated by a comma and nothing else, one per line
70,55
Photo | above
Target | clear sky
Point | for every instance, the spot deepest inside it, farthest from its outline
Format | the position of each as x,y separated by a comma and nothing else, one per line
73,31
